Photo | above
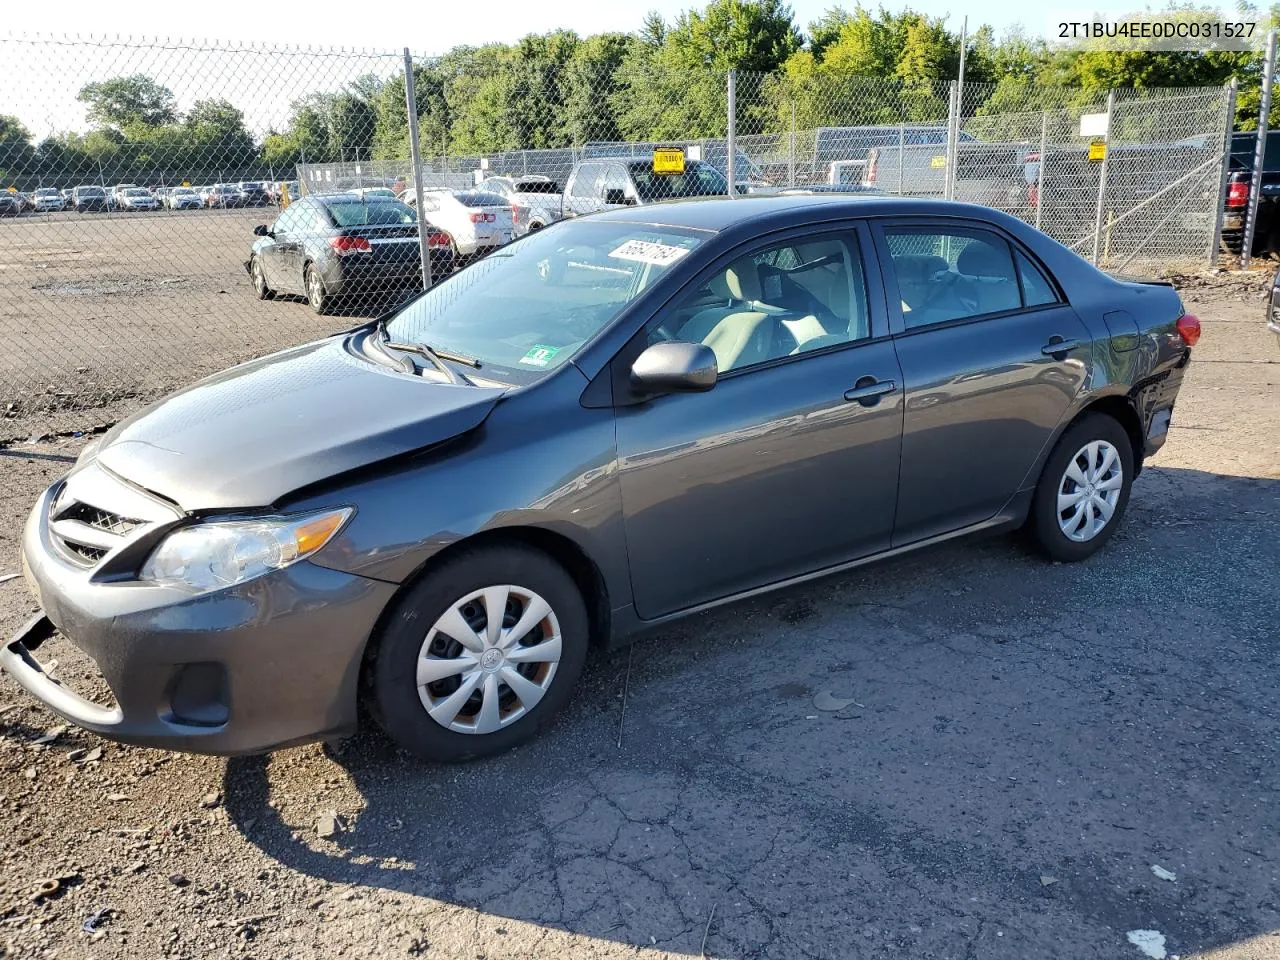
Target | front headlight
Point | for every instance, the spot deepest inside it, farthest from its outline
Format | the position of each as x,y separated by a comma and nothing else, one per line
90,451
209,556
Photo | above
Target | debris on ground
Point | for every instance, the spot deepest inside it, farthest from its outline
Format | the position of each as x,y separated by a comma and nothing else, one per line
97,919
50,735
210,800
1150,942
1047,881
1162,873
178,880
328,824
826,700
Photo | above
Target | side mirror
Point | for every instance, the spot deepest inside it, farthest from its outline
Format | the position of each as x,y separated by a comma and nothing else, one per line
615,196
675,366
262,230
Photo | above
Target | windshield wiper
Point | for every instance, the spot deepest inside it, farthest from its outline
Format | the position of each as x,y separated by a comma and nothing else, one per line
383,339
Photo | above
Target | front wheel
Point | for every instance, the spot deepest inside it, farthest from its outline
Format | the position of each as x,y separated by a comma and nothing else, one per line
1084,489
260,288
480,654
317,296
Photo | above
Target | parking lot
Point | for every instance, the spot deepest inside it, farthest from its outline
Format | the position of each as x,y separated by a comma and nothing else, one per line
98,310
1017,744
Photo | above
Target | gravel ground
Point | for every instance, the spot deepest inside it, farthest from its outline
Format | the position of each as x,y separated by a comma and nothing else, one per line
1024,742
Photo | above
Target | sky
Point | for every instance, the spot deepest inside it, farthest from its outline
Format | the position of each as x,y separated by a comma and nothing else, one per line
44,70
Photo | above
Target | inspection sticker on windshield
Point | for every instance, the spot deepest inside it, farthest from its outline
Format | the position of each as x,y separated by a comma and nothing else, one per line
539,355
642,251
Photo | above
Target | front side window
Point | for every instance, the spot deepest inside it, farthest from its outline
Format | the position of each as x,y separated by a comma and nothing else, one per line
787,299
584,183
527,308
951,274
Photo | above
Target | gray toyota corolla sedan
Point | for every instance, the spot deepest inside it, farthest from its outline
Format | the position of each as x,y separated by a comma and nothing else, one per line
612,422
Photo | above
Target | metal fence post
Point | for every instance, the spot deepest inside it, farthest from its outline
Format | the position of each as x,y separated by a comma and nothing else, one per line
1102,178
1044,162
902,154
953,122
791,149
1255,183
415,157
1215,243
731,138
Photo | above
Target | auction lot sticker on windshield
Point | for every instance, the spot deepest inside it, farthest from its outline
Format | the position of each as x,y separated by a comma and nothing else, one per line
642,251
539,355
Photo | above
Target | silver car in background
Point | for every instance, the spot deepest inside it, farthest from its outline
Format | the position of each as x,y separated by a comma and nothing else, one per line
47,200
477,221
535,200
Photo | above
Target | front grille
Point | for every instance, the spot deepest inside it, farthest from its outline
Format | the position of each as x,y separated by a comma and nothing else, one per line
90,555
100,519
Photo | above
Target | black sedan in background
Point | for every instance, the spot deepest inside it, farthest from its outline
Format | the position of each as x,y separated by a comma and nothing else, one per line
87,198
10,204
612,422
328,247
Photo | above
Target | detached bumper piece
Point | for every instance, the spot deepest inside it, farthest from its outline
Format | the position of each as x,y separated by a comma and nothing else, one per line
17,660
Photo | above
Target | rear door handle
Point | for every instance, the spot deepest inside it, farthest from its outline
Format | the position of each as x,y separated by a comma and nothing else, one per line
1057,345
868,390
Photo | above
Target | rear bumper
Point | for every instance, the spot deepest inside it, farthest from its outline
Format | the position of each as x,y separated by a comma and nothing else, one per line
267,663
1274,327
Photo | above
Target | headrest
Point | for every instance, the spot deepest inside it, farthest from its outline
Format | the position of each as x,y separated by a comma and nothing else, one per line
743,280
981,259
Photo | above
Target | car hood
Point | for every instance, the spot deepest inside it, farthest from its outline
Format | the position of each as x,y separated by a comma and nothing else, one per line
249,436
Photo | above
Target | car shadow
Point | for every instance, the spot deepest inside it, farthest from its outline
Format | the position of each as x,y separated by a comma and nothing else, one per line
967,751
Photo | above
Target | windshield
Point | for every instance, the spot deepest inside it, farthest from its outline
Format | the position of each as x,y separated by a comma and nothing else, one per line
374,212
92,192
136,193
47,192
526,309
698,180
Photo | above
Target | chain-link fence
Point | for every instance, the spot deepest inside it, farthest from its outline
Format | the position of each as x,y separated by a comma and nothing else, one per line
151,229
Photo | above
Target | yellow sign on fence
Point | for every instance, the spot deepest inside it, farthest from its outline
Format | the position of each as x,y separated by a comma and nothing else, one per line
938,162
668,161
1098,151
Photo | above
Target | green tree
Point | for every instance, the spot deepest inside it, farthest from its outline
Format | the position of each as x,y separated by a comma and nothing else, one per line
17,156
123,101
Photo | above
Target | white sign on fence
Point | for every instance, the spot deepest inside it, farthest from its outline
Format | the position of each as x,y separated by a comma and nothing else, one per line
1093,125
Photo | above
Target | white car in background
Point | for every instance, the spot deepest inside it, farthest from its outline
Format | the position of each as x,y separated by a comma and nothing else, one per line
183,198
136,198
47,199
478,221
374,193
535,200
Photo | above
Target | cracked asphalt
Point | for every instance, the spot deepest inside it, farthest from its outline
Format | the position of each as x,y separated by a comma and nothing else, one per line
1022,742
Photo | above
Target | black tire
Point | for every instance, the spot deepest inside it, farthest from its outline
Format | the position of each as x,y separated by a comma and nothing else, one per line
317,296
396,702
259,280
1043,525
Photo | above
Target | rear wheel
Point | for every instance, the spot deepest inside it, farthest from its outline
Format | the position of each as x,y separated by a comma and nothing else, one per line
1084,489
317,296
260,288
480,654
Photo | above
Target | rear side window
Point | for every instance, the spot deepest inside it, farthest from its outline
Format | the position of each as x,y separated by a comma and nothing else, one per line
537,186
952,274
1036,288
584,182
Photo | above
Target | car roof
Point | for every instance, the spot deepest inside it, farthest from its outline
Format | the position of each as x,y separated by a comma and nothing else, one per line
722,213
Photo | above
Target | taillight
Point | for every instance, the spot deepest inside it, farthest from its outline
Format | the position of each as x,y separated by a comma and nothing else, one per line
872,159
1033,194
1238,194
345,246
1189,329
483,218
437,240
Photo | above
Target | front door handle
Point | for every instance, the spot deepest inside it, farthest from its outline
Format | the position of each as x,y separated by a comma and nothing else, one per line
1059,348
868,390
